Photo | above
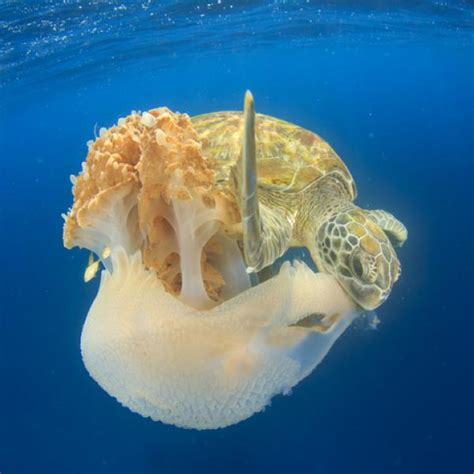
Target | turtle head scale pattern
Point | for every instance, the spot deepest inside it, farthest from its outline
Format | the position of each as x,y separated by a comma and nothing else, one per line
353,248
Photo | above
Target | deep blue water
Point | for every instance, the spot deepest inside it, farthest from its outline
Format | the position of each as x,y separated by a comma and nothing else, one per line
389,84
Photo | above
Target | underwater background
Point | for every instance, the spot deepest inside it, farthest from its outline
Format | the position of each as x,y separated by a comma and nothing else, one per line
389,84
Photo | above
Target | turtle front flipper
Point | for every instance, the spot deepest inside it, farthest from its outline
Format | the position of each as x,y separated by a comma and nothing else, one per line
395,230
266,230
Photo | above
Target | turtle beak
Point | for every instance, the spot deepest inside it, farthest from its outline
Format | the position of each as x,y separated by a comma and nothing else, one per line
369,297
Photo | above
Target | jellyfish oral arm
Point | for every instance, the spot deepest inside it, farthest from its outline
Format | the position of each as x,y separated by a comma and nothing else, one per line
109,220
194,225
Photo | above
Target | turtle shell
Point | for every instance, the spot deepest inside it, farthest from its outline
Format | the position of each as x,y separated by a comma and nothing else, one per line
289,157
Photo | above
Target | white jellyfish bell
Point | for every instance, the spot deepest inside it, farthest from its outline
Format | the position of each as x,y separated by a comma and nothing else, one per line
176,332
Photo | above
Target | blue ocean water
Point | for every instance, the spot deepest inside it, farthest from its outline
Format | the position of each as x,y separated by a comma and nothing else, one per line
390,85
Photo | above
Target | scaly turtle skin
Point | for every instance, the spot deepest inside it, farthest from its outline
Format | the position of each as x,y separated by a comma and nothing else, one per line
293,190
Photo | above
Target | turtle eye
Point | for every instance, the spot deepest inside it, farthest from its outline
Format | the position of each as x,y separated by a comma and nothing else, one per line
356,265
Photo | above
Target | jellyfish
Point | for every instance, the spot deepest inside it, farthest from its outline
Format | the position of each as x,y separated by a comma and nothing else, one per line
177,331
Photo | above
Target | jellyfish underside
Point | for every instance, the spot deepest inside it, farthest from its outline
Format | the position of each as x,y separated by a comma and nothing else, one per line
176,332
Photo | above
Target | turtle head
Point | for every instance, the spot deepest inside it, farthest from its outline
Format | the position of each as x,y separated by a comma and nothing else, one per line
353,247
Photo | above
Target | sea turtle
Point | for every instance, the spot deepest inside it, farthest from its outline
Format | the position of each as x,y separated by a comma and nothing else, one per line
294,190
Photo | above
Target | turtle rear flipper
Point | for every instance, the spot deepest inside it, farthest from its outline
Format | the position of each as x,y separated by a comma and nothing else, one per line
319,322
266,231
